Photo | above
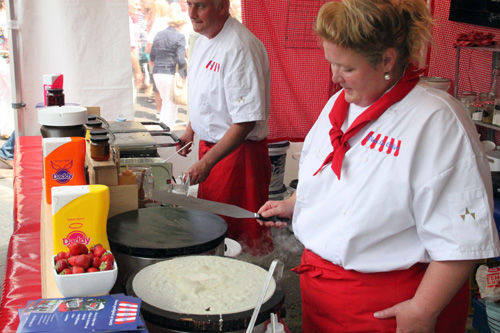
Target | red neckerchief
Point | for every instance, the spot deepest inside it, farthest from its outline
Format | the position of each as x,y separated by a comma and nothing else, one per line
341,107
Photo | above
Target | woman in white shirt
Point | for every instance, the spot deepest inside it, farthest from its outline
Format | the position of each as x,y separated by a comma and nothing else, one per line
394,202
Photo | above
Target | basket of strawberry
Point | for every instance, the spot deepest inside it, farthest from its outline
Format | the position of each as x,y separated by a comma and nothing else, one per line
83,271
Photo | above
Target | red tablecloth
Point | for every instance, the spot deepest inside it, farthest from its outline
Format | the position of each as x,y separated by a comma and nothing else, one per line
23,271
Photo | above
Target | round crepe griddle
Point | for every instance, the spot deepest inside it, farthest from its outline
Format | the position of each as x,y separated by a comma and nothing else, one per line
162,232
185,322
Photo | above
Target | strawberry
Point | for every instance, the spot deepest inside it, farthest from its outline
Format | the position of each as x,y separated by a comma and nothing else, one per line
61,255
66,271
106,266
78,248
108,256
83,261
99,251
92,248
71,261
96,262
92,269
61,264
77,270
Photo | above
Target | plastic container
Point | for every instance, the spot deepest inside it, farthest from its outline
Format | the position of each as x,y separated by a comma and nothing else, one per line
121,118
278,327
79,214
127,177
62,121
64,163
488,112
477,112
277,153
144,180
468,98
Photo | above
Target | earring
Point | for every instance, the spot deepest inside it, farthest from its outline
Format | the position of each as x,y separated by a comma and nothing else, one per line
387,76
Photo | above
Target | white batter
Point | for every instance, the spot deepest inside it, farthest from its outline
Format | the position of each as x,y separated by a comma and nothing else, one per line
202,285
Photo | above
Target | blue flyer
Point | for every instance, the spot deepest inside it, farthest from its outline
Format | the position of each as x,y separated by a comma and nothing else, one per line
107,313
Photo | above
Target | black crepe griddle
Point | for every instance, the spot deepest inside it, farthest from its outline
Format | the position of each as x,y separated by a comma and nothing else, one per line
162,232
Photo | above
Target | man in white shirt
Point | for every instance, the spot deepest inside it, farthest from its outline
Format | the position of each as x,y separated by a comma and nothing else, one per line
229,101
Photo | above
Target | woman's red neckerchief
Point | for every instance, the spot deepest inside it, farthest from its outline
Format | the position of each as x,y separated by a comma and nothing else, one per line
341,107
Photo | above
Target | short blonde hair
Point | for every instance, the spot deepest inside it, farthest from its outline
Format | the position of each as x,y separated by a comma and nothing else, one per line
176,19
370,27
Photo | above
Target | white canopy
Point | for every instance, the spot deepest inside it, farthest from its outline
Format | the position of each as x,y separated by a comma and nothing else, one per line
87,41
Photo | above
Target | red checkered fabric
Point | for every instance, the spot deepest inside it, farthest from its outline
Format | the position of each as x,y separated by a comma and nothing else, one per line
300,75
301,79
475,65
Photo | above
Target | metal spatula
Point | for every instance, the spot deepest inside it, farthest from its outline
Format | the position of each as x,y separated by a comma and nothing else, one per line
210,206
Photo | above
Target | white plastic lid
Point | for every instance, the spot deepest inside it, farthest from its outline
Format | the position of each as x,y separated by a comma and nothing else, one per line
66,115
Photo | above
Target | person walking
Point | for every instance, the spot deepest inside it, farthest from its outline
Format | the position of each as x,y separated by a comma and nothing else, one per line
168,52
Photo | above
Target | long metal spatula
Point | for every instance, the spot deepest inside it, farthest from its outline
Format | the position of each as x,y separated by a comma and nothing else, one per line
210,206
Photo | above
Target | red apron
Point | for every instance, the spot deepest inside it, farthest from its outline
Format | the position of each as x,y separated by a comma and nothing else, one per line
338,300
242,178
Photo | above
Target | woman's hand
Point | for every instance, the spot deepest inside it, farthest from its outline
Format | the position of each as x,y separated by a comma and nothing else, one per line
409,317
441,282
282,208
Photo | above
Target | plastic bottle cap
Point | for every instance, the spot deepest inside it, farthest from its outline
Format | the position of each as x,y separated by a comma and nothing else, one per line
278,328
127,172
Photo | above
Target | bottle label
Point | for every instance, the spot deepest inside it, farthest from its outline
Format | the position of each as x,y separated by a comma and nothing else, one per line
62,174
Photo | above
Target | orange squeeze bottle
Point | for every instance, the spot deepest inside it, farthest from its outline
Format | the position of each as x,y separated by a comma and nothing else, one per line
64,163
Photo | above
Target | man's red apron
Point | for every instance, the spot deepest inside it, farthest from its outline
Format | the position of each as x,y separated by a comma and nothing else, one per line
338,300
242,178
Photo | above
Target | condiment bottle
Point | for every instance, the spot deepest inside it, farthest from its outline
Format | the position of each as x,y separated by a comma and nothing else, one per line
92,125
99,147
64,163
477,112
493,94
55,97
79,214
488,111
127,177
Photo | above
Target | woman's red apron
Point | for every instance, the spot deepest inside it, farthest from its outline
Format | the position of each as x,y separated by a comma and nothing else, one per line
338,300
242,178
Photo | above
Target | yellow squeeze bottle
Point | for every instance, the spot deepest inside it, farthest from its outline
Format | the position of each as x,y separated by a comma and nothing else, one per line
79,214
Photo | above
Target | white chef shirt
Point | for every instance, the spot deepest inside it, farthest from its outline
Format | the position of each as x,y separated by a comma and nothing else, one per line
415,186
229,82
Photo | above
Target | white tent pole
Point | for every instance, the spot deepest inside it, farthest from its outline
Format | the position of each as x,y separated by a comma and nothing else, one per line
15,78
